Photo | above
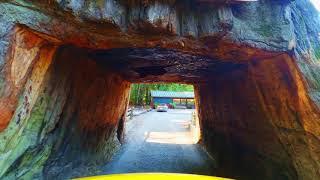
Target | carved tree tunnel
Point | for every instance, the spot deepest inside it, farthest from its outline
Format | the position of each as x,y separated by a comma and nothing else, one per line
64,90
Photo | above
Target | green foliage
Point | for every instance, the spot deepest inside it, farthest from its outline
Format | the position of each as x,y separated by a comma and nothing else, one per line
140,93
156,104
173,105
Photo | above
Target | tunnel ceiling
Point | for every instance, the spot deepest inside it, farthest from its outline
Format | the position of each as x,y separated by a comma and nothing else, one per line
163,65
225,32
66,67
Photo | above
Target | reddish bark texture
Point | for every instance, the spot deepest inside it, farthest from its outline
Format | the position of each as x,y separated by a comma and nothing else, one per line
262,117
64,90
27,50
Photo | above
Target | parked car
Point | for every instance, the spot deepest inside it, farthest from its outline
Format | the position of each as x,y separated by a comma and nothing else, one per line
162,108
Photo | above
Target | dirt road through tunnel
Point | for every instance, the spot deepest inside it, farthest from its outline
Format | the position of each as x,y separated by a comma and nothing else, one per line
161,142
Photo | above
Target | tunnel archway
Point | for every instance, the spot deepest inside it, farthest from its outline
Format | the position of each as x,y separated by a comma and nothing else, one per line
64,86
75,111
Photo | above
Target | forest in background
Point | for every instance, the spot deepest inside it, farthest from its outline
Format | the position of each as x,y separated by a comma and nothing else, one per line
140,93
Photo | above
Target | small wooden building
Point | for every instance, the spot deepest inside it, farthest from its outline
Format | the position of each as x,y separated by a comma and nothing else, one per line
173,99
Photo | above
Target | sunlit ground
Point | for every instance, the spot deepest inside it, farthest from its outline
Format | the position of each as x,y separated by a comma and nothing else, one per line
182,124
189,135
169,137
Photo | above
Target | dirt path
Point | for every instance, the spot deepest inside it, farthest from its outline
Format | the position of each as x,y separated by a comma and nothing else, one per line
160,142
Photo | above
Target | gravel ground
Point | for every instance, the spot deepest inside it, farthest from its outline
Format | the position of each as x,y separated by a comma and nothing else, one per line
160,142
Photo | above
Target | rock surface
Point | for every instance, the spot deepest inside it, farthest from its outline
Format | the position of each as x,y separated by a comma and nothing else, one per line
65,117
66,68
271,122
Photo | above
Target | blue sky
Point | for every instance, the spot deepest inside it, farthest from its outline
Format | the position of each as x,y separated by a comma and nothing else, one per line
316,4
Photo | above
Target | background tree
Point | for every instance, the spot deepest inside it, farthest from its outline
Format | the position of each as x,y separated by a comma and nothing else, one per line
140,93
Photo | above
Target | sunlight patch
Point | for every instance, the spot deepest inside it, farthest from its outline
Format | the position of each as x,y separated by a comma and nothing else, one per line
170,137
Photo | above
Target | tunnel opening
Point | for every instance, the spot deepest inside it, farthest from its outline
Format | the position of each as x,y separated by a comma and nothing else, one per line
161,133
63,107
170,98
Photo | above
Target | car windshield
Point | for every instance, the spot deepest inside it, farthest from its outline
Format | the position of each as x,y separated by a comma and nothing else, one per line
162,105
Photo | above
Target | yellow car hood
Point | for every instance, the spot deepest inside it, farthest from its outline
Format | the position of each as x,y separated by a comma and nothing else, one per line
152,176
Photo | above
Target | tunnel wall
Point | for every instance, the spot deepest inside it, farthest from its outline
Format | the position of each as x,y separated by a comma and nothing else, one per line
272,130
67,111
260,123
